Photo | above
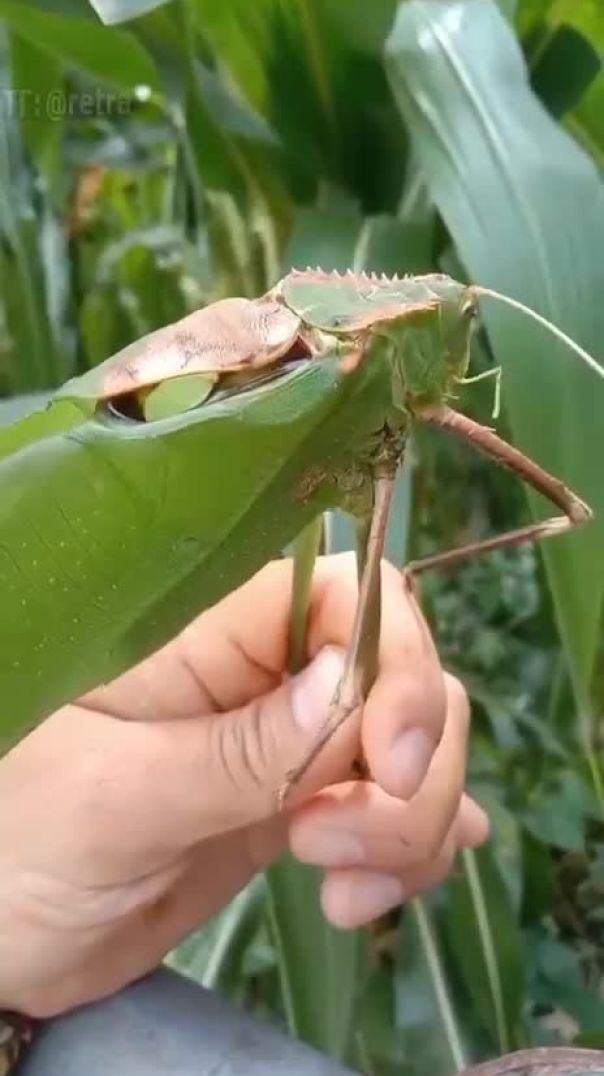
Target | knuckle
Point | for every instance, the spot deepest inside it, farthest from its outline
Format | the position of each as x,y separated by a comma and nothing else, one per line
242,750
424,845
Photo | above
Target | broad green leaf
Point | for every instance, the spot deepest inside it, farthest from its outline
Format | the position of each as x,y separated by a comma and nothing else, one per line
539,878
112,11
215,955
505,840
587,17
559,980
585,122
543,15
113,56
525,207
345,240
313,70
188,534
30,358
79,8
232,162
17,407
431,1036
558,817
323,970
483,934
43,76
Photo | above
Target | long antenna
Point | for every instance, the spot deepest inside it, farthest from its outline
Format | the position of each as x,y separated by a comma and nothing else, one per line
587,358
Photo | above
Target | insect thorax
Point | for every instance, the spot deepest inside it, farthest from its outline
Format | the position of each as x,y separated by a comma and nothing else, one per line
431,353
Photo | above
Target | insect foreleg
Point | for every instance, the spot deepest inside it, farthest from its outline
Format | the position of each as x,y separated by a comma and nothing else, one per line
361,656
576,512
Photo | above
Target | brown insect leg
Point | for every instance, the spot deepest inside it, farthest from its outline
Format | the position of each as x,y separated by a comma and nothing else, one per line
576,512
542,1061
349,695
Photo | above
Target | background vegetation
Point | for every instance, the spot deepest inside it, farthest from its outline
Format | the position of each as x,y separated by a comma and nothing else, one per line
201,149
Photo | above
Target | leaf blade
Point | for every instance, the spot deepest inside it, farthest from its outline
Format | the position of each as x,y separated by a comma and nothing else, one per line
512,210
114,56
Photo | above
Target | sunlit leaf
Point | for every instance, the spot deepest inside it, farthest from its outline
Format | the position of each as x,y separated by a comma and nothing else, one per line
113,56
483,933
508,183
426,1017
323,970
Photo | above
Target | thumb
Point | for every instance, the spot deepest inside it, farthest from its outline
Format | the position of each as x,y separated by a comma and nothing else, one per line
247,753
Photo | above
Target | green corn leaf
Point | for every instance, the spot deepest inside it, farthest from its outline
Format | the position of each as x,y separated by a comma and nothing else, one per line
426,1018
113,56
323,970
215,955
79,8
483,934
525,206
314,70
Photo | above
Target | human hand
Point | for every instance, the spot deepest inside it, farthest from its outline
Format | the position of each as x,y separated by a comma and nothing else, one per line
130,817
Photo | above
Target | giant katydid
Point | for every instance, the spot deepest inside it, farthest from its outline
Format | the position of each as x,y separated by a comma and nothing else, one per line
162,479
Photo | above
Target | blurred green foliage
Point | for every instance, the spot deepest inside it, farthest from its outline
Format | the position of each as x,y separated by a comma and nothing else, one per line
199,150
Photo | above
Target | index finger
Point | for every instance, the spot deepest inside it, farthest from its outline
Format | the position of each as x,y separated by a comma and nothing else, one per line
404,715
238,649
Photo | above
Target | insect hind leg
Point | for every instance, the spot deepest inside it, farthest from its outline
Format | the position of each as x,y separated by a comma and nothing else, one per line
576,512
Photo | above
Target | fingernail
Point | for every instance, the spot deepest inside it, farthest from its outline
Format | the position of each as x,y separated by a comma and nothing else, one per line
375,894
330,848
312,689
411,756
